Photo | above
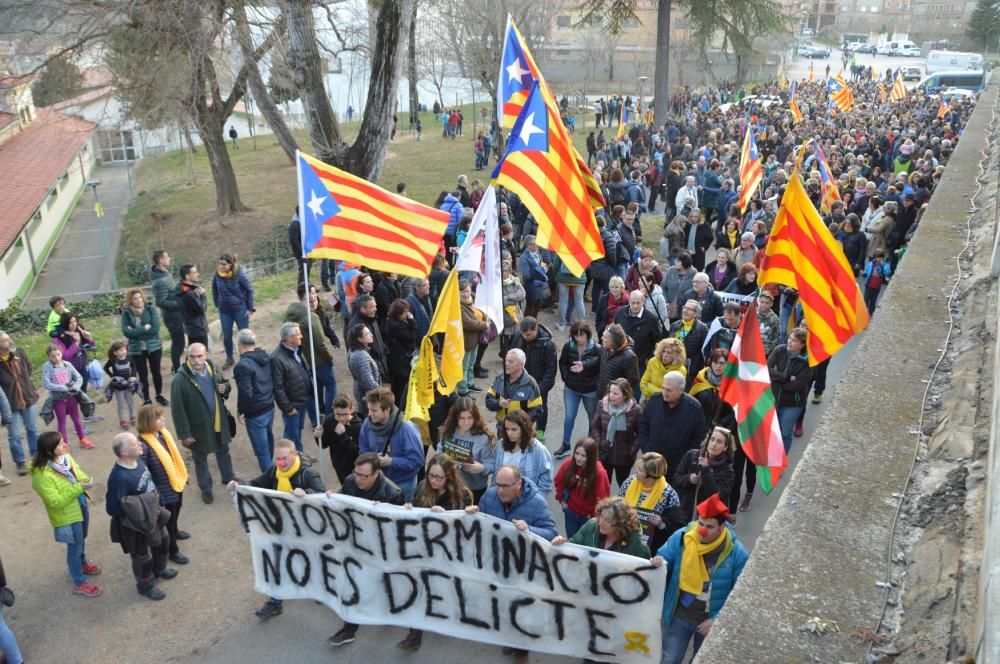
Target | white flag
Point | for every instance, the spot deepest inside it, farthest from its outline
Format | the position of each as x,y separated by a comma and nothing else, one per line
481,254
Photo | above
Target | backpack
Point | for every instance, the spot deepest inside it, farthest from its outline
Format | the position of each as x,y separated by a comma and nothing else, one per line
619,196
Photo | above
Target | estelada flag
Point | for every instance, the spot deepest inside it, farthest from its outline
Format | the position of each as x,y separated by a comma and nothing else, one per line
347,218
801,253
746,386
751,171
540,168
793,105
517,72
840,93
898,89
828,186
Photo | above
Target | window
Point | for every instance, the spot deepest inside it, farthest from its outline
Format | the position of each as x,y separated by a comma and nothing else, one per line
13,254
564,21
116,145
63,181
36,221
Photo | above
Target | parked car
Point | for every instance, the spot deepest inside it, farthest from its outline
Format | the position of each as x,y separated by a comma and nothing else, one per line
808,32
910,52
912,73
818,52
867,48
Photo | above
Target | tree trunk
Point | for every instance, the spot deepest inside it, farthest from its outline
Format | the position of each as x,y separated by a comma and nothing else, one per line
188,139
661,72
210,128
304,60
366,156
411,63
267,106
611,65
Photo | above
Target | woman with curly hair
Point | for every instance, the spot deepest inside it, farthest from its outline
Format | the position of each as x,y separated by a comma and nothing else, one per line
467,440
615,527
669,355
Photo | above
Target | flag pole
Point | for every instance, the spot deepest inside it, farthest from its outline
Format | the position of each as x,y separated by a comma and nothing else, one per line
312,358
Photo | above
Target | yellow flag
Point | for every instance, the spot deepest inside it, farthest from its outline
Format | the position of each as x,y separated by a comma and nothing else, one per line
448,320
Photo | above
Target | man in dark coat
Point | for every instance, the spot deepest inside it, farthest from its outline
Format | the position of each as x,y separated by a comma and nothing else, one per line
672,423
288,474
200,416
367,314
540,362
164,292
292,383
641,325
193,304
255,396
17,386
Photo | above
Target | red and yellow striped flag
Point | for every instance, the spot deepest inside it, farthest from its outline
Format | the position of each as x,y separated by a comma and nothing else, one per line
802,254
882,92
751,171
898,89
794,107
539,166
840,93
943,111
517,72
810,72
351,219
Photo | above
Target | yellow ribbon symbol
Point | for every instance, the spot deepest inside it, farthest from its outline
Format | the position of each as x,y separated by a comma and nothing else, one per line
98,210
636,641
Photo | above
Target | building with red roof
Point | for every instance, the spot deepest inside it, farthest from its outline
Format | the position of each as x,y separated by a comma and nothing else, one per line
45,160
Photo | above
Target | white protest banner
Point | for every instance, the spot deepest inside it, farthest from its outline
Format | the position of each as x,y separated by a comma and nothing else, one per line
470,576
742,300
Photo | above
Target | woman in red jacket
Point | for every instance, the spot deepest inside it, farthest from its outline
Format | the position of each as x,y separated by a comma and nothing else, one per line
581,483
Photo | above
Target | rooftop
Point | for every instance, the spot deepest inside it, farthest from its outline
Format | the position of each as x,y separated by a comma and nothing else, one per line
30,164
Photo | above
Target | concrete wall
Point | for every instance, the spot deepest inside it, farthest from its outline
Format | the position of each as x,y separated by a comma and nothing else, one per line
825,548
16,271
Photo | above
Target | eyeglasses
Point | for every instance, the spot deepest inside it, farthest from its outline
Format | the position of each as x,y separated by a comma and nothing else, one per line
507,486
363,476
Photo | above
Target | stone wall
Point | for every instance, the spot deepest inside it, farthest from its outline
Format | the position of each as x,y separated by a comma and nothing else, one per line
825,551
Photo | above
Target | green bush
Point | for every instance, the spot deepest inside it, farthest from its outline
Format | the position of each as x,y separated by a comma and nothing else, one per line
15,320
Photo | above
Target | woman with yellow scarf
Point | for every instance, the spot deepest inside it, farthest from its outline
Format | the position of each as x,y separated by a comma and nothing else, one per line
163,459
657,503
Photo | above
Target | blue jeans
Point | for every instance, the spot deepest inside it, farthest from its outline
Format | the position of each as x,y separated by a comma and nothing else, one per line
675,638
571,406
242,322
409,487
327,384
293,426
24,417
468,372
573,521
564,289
261,435
76,554
8,644
787,417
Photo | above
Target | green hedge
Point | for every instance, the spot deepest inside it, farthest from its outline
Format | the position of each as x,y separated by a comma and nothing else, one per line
15,320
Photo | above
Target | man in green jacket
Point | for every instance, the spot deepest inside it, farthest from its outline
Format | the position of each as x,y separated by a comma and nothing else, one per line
170,311
200,416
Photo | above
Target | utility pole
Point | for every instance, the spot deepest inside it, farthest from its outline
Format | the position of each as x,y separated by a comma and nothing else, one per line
99,213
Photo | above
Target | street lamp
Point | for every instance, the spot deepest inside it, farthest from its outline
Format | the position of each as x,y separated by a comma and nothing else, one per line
99,214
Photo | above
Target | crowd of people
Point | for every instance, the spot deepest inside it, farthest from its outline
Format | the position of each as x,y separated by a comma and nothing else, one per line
660,471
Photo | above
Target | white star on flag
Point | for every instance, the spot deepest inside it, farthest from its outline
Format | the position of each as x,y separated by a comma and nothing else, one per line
316,204
514,71
528,128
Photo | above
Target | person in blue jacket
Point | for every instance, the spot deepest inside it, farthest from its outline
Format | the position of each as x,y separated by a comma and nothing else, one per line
394,439
516,499
452,204
703,560
233,297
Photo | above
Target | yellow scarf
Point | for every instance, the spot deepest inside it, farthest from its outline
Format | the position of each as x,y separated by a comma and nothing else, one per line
732,237
170,458
635,490
694,574
285,476
224,274
701,383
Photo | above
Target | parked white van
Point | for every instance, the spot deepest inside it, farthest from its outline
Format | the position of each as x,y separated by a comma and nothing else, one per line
952,60
903,48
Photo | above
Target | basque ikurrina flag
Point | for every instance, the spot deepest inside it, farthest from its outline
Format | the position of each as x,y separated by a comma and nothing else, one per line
746,386
540,168
347,218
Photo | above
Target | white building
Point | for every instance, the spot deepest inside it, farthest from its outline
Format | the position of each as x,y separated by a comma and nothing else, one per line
45,160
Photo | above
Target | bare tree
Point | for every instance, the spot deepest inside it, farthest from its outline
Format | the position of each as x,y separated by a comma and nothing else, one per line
260,92
412,65
435,67
366,155
474,30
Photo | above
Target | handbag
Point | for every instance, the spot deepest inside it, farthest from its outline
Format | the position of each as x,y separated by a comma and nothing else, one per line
231,421
6,597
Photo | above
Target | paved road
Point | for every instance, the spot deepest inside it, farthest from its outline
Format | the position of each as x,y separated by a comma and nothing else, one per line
78,268
798,68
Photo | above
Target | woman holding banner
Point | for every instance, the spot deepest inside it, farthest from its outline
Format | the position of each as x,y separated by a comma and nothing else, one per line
656,502
614,528
468,441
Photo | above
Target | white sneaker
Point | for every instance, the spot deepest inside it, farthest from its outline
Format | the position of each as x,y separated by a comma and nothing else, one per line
3,480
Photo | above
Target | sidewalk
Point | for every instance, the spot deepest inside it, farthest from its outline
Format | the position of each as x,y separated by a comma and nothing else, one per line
77,268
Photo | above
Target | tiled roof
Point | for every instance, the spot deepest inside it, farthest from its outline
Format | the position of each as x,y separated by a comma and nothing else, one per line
30,164
83,98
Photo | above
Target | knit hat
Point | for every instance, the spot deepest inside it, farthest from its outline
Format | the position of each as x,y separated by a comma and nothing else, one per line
713,508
